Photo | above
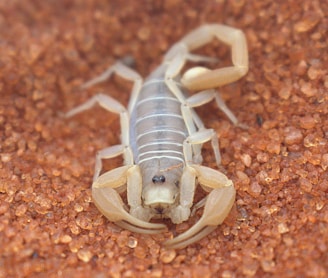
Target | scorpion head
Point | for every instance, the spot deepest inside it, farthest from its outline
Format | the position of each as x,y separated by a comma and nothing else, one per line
161,189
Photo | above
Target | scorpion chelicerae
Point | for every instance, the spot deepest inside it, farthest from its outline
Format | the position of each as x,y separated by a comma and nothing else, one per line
162,138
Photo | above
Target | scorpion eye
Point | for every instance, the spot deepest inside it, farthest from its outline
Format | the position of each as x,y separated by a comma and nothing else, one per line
158,179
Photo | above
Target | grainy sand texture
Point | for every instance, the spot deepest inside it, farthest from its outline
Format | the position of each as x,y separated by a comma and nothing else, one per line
49,226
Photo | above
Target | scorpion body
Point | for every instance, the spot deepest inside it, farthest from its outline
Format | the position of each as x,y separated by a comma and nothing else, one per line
162,138
157,142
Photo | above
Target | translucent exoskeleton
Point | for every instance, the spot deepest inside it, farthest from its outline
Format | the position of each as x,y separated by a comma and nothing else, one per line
162,138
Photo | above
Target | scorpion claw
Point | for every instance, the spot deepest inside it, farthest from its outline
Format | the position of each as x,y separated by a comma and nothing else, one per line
144,227
217,207
109,202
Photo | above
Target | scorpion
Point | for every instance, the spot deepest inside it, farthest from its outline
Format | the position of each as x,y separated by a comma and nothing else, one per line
162,138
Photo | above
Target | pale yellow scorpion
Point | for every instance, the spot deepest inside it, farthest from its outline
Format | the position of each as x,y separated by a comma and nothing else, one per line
162,138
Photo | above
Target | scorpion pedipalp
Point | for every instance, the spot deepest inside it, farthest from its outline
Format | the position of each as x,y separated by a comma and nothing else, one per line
217,206
110,203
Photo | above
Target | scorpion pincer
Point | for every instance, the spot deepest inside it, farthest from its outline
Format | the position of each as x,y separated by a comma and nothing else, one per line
162,138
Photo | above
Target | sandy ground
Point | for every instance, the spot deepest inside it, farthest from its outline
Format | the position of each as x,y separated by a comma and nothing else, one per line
49,226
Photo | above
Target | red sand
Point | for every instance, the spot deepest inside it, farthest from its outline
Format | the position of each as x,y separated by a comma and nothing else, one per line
49,226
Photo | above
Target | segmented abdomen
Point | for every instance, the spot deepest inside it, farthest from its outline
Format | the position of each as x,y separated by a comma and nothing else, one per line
157,127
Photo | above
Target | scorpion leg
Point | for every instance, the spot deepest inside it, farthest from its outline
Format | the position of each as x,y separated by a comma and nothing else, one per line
111,105
217,206
109,202
206,96
198,138
192,120
123,71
